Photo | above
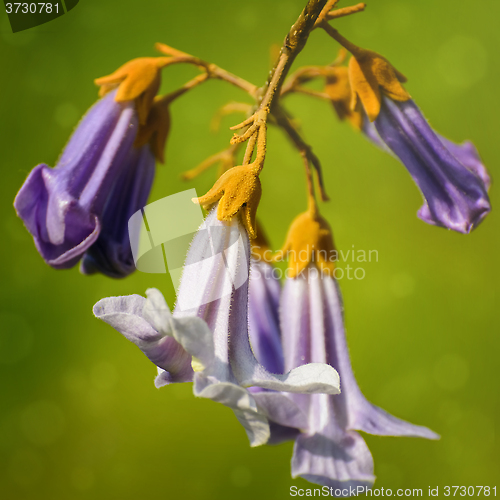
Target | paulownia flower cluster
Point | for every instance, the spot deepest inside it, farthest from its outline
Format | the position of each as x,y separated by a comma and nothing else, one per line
274,353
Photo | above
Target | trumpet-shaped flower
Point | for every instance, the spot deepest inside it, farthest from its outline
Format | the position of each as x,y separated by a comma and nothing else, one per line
82,206
327,449
62,207
214,288
452,179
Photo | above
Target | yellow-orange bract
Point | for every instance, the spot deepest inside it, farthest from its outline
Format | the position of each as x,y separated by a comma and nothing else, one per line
338,89
237,191
309,241
139,80
370,74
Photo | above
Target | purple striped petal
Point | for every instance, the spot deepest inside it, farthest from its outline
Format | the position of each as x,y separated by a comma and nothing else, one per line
263,319
281,434
370,132
280,409
329,451
452,180
112,254
313,330
467,154
191,332
127,315
341,462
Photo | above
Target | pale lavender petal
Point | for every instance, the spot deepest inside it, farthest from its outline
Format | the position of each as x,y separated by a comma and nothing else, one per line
343,462
313,330
281,434
191,332
263,318
255,425
455,196
206,287
126,315
361,414
164,378
240,401
279,408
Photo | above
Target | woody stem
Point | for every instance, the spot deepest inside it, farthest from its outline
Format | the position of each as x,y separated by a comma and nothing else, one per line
294,43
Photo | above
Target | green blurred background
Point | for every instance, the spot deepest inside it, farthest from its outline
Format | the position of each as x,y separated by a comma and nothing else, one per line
79,414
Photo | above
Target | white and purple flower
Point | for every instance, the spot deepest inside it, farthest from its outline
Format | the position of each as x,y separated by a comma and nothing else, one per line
210,324
328,449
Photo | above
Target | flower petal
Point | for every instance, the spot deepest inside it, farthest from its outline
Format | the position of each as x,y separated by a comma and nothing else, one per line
279,408
306,379
339,463
112,253
467,154
362,415
455,196
126,315
263,318
240,401
281,434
